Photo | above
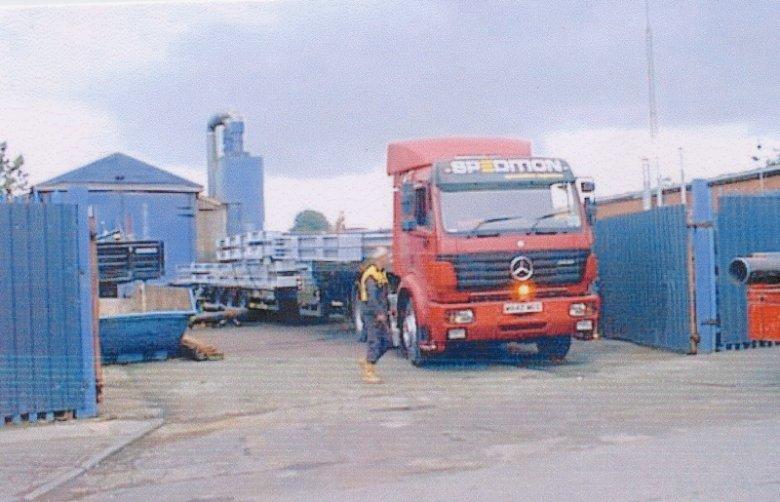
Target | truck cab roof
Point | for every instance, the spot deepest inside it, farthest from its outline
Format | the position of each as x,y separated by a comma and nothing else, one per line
404,156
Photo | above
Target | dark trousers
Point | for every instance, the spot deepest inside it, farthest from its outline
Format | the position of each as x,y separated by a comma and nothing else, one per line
378,338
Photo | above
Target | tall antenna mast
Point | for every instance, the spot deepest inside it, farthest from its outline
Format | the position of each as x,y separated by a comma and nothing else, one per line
651,102
683,186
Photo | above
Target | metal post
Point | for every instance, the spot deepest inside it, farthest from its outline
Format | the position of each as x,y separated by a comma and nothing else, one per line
683,189
652,106
646,197
703,259
80,197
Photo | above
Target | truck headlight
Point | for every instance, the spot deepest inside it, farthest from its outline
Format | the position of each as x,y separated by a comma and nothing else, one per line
461,316
577,309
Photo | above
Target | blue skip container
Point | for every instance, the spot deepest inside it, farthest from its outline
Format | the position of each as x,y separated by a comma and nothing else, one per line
147,326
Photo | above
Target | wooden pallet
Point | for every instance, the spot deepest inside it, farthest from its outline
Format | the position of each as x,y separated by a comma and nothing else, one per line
199,351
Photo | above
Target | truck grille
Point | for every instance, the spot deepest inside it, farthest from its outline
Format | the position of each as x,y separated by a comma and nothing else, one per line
490,271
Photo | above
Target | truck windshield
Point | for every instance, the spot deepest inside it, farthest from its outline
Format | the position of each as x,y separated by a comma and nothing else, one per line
480,212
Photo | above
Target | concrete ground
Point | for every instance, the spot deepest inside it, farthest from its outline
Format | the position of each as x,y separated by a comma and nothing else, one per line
285,417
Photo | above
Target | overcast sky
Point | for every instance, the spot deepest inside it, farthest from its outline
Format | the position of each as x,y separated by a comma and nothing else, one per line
323,86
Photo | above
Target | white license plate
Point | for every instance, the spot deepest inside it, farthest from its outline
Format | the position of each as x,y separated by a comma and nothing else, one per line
522,308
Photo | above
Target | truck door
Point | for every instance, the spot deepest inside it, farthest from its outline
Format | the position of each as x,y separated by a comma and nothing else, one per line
421,243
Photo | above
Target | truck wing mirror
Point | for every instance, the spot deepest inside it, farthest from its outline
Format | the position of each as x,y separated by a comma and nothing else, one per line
587,186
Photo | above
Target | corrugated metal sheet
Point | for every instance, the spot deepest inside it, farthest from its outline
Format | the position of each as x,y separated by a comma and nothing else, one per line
167,217
643,277
46,339
744,224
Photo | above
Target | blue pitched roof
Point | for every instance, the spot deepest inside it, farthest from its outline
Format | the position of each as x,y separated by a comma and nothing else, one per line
120,169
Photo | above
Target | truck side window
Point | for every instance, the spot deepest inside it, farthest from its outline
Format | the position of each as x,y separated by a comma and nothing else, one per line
421,206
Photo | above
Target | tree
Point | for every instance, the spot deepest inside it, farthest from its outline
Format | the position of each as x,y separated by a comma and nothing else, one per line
13,181
310,221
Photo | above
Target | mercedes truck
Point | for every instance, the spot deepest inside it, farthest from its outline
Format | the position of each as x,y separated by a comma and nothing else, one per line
490,245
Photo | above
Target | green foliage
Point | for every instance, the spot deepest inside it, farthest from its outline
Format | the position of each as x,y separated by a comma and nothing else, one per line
310,221
13,180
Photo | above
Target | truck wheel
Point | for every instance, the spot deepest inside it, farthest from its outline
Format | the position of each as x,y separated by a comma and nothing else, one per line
357,317
554,347
409,335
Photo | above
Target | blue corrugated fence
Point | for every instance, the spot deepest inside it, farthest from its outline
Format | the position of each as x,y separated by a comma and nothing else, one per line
644,270
643,279
46,339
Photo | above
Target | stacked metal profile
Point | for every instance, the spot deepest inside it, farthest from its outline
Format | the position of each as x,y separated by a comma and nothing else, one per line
265,259
339,247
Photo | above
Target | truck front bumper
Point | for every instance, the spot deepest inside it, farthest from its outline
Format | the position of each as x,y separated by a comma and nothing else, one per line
491,324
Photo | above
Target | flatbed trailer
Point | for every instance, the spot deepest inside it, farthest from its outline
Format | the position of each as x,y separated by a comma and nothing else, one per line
296,275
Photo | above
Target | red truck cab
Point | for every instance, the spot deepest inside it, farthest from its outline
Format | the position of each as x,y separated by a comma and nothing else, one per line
490,244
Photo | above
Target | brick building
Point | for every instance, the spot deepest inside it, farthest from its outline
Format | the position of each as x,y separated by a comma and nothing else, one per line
755,180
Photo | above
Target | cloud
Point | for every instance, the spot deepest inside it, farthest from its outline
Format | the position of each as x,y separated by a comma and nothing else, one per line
613,156
65,49
325,86
56,136
366,199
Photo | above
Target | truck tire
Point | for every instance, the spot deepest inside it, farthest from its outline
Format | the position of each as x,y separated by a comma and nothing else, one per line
357,317
410,335
554,347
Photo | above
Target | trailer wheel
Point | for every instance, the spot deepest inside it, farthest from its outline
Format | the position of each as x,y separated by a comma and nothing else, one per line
410,335
289,312
357,317
554,347
243,299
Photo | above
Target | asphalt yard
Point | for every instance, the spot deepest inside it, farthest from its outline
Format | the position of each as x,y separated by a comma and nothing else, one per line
285,417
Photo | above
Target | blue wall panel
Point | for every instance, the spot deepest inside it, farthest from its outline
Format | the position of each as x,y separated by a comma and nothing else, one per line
643,277
745,224
165,216
46,339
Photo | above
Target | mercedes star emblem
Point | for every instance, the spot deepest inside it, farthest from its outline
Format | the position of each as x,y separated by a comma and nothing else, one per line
521,268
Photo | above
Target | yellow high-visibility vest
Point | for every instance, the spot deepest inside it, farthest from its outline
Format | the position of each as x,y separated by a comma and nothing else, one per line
380,276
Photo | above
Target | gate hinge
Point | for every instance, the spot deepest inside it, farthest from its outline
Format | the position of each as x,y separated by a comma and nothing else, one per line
701,224
710,322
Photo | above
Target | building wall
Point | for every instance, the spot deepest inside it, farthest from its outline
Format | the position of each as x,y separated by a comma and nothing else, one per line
747,186
164,216
608,209
211,225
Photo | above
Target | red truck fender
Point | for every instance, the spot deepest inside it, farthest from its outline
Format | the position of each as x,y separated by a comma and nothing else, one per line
410,287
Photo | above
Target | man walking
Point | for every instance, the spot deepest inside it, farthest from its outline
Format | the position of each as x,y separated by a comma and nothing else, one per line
373,289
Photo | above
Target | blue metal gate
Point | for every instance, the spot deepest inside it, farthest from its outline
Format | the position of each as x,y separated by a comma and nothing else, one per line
643,277
744,224
644,270
46,321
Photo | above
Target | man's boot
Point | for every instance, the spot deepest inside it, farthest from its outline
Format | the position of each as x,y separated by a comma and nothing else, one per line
369,374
